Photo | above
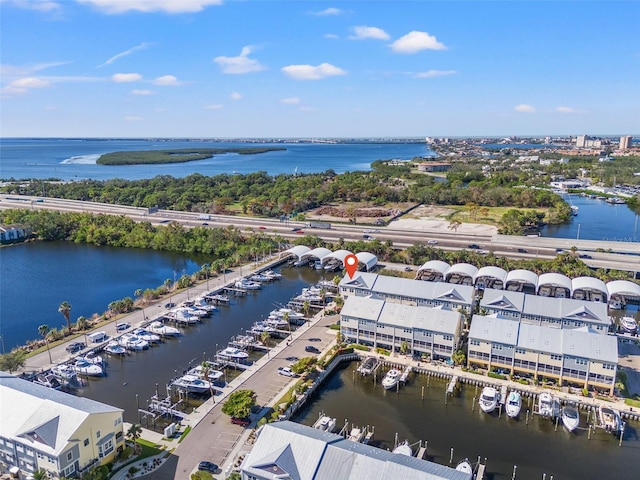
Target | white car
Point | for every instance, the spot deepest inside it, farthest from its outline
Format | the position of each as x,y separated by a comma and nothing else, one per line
432,242
287,372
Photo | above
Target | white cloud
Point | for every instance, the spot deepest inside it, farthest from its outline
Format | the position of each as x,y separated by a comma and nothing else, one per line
167,6
126,77
133,118
310,72
167,81
240,64
141,92
118,56
290,101
524,108
327,12
217,106
568,110
435,73
23,85
363,32
39,5
332,36
235,96
415,41
26,70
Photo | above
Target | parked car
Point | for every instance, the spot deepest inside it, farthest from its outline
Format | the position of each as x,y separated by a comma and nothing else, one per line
311,349
522,250
122,326
75,347
474,246
207,466
169,305
287,372
243,421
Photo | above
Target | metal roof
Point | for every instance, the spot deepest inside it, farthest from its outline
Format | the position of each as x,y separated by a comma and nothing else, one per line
494,329
522,276
300,452
580,342
364,280
491,271
623,287
589,283
436,266
298,251
338,255
318,253
541,338
502,299
369,259
365,308
554,279
462,269
402,287
566,308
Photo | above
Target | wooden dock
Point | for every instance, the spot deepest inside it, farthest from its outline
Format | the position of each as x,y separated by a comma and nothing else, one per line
452,385
405,374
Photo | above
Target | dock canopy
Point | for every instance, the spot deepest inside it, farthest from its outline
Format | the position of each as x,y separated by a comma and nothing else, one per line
298,251
554,285
338,255
433,271
589,288
490,277
369,260
461,273
522,281
318,253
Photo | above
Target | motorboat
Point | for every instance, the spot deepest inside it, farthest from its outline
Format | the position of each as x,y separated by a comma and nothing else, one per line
391,379
183,315
163,330
196,311
287,313
403,448
192,383
213,375
609,419
83,367
513,404
465,466
272,275
260,278
247,341
146,335
48,380
570,417
233,353
93,357
629,325
489,399
356,434
202,304
615,304
325,423
548,406
368,366
133,342
245,284
114,348
277,323
65,373
262,326
220,298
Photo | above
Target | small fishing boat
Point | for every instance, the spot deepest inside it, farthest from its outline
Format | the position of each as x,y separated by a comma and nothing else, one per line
192,383
489,399
114,348
548,406
93,357
609,419
465,466
163,330
83,367
213,375
403,448
391,379
232,353
367,366
65,373
570,417
146,335
513,404
325,423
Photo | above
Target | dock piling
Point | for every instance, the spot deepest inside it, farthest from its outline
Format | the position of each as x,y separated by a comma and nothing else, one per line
513,475
526,422
422,393
451,456
473,404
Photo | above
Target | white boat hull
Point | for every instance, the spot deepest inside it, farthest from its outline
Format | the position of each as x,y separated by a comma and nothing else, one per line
570,418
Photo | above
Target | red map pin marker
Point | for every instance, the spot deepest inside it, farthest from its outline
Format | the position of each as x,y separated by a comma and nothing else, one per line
351,264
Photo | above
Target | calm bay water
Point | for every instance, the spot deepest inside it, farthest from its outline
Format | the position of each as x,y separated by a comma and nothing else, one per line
535,449
75,159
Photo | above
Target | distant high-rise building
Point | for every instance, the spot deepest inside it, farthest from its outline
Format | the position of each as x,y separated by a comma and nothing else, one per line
581,141
625,142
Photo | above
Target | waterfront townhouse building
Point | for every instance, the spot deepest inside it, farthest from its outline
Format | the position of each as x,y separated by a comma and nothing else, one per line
579,357
504,303
565,313
289,450
65,435
396,327
408,292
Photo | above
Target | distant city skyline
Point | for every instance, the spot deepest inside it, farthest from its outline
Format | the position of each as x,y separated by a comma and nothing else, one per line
318,69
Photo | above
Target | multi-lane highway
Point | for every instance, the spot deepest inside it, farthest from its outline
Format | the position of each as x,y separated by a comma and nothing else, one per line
617,255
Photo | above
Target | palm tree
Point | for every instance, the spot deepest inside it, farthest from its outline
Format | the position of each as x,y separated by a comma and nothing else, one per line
40,474
133,434
65,310
82,323
285,317
44,331
306,307
265,337
206,368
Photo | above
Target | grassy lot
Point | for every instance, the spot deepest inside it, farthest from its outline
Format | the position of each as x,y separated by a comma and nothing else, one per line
492,216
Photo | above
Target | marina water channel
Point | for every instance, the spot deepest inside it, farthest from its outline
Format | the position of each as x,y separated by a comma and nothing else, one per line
536,449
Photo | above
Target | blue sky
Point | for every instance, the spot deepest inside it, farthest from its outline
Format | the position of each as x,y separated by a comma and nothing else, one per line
213,68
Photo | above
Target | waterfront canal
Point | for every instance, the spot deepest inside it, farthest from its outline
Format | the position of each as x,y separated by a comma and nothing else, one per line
535,449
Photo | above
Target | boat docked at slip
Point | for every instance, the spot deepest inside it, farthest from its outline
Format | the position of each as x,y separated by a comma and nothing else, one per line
403,448
629,325
201,303
609,419
548,405
245,284
368,366
260,278
570,417
277,323
262,326
391,379
93,357
513,405
133,342
246,341
83,367
489,399
325,423
65,373
233,353
147,335
48,380
114,348
272,275
192,383
465,466
184,316
357,434
213,375
286,314
163,330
